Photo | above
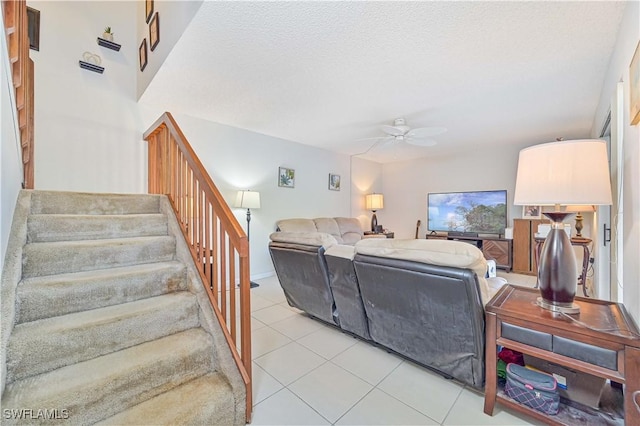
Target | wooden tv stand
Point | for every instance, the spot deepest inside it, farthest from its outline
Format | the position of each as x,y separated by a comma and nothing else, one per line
498,249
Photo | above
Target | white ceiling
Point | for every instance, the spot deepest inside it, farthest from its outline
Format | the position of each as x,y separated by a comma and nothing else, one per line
330,73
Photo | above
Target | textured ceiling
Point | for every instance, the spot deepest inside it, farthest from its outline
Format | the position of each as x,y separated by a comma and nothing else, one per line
328,74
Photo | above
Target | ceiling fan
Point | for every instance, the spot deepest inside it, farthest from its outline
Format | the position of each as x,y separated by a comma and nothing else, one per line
400,132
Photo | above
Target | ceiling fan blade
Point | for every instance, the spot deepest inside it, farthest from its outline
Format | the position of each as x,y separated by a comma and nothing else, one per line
387,143
392,130
424,132
370,139
421,142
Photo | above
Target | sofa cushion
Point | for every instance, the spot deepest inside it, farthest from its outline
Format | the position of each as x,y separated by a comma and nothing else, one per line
308,238
296,225
350,229
435,252
329,226
341,250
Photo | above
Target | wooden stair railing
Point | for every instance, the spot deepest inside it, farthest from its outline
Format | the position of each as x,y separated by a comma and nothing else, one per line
217,242
17,31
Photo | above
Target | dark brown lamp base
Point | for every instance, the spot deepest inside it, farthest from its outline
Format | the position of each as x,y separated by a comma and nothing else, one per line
557,269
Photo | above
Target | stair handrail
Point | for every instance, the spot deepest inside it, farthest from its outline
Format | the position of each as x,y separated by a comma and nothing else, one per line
213,234
16,27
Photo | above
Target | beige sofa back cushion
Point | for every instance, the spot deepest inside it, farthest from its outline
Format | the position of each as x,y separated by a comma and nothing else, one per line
307,238
296,225
435,252
328,225
350,229
346,230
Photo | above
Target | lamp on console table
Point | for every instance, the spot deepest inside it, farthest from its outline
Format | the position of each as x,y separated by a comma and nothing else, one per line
579,218
248,200
374,202
568,173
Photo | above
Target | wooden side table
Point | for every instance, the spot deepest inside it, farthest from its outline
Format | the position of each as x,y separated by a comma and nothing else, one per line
386,234
605,343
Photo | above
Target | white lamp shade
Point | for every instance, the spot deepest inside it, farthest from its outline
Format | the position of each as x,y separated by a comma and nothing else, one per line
374,201
567,172
248,199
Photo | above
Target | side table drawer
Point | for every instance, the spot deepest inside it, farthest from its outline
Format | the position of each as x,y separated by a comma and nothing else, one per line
527,336
596,355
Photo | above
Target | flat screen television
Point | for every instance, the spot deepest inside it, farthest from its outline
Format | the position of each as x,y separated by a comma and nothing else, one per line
482,212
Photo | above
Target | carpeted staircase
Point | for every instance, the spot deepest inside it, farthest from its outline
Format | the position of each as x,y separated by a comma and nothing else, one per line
109,326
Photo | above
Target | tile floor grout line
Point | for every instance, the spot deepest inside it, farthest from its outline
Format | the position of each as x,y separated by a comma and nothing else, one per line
453,405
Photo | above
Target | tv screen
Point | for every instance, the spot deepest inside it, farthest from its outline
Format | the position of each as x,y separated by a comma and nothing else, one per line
483,212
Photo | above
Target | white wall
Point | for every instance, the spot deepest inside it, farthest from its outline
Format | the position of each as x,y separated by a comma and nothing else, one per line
174,17
239,159
87,125
628,38
366,178
11,159
406,184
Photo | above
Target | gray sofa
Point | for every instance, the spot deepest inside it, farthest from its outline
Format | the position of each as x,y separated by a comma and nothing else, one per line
423,299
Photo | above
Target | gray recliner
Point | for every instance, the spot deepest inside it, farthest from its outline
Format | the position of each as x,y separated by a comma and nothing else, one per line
304,277
430,314
423,299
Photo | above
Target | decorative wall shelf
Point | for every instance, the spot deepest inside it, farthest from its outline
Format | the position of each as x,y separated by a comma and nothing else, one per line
91,67
108,44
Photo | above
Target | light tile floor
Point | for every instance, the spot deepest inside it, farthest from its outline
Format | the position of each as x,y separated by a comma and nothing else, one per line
309,373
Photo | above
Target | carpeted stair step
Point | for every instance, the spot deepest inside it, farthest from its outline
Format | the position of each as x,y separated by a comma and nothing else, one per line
60,202
55,295
68,227
61,257
81,336
102,387
204,401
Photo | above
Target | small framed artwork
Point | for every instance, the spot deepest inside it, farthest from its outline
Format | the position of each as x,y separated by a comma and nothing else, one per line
531,212
334,182
154,32
33,24
148,10
634,85
286,177
142,54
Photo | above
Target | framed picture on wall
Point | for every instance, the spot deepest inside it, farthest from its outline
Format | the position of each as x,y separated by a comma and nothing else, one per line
33,23
154,31
286,177
142,54
148,10
334,182
531,212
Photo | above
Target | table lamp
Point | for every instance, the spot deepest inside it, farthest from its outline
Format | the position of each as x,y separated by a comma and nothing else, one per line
248,200
579,210
561,173
374,202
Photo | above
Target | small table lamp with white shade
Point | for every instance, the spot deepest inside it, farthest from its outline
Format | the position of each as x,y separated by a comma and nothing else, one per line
248,200
561,173
374,202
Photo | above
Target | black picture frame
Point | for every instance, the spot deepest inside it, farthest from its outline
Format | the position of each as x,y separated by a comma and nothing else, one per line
142,55
148,10
33,23
154,32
